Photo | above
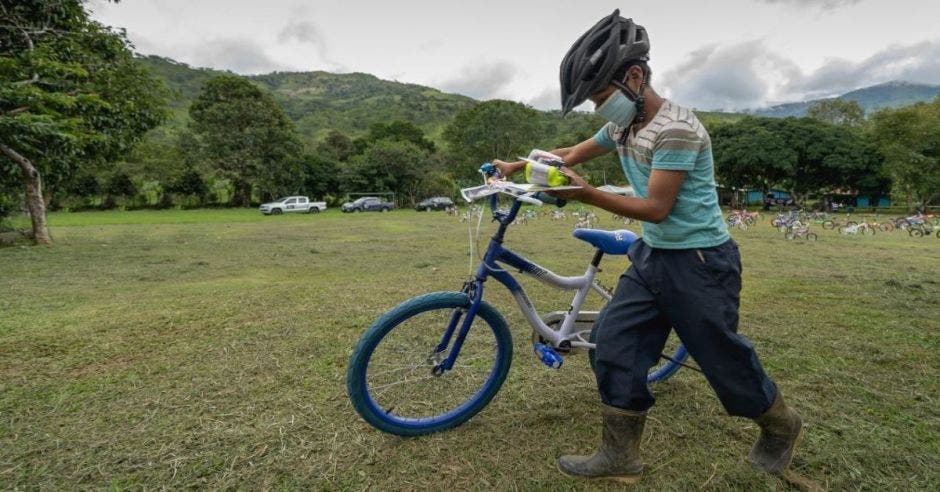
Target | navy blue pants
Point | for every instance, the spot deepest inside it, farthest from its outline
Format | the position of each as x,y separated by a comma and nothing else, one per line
695,292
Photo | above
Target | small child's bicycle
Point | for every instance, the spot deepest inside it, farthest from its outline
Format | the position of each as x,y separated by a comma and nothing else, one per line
434,361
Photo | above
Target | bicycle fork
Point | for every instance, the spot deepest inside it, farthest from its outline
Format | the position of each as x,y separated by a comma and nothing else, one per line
475,290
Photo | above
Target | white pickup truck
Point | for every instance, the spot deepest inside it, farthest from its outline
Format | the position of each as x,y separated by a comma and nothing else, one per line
292,204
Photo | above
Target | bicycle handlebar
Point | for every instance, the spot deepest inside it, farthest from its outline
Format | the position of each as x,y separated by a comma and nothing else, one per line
538,198
551,200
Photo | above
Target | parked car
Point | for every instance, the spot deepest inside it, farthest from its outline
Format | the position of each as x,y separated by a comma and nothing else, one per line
292,204
367,204
434,203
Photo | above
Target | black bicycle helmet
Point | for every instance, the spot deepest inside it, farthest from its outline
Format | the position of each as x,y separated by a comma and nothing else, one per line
593,59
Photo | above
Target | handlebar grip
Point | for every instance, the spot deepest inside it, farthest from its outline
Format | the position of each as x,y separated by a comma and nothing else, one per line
488,169
546,198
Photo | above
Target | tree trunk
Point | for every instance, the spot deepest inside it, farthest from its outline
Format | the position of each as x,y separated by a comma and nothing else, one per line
34,201
242,195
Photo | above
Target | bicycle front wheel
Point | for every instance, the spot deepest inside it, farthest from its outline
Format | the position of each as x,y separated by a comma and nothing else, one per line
391,378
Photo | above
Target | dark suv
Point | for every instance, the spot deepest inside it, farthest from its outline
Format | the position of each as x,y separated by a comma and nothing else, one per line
367,204
434,203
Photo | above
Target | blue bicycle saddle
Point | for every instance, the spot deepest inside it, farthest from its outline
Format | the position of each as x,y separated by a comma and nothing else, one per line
610,242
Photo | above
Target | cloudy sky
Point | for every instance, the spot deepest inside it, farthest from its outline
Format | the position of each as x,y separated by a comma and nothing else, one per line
717,54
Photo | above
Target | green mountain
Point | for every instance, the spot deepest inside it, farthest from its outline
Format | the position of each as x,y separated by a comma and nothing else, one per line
888,95
320,101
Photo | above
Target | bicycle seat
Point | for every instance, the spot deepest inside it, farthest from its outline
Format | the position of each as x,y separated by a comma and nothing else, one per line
610,242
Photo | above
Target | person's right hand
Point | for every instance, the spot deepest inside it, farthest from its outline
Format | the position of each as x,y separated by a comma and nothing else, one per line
507,169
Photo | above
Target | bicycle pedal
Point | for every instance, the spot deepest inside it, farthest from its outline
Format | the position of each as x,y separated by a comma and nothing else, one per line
548,355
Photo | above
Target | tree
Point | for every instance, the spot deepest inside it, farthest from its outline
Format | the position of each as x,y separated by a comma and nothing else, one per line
838,112
321,175
121,185
86,185
829,157
747,154
908,139
803,155
337,146
489,130
389,165
189,183
401,131
71,97
239,130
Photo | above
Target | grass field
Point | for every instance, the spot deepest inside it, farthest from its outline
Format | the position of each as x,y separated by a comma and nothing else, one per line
208,349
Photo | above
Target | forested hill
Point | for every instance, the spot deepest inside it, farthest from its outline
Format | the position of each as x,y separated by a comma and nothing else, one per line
887,95
351,102
320,101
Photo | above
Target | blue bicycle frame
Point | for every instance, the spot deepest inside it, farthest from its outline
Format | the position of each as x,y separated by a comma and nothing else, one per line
497,253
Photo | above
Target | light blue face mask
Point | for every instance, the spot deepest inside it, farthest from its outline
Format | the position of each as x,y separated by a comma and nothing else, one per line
617,109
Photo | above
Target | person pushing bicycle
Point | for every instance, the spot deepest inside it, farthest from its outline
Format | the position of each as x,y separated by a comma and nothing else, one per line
685,273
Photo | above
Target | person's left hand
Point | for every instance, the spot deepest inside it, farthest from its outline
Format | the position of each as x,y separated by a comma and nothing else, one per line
574,194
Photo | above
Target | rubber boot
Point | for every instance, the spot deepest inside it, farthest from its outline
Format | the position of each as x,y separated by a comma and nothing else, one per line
619,455
780,427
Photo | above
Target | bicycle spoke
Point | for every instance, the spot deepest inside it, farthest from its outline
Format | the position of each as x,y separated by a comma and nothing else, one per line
397,383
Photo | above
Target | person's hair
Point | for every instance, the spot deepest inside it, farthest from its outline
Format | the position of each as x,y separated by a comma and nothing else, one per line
622,71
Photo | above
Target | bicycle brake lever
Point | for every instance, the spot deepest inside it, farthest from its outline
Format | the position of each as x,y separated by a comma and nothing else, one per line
528,198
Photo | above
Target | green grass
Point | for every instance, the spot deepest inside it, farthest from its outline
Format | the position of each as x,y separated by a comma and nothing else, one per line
208,349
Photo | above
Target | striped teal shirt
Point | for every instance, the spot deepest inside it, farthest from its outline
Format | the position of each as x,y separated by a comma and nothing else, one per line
673,140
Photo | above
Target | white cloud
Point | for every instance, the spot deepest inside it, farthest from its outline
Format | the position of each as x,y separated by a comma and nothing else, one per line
482,80
242,56
729,77
548,99
820,4
306,32
918,62
749,75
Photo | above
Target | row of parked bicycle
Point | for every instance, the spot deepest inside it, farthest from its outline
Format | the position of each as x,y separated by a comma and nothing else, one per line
581,217
917,225
794,224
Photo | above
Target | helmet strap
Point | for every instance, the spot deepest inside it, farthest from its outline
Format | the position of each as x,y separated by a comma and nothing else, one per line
640,105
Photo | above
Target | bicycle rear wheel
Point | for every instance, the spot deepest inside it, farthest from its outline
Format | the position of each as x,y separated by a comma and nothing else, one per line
391,377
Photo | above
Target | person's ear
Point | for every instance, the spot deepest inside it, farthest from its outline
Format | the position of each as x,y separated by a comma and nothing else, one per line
635,77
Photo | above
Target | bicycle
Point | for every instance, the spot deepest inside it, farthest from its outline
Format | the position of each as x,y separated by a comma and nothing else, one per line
838,223
737,217
737,221
526,216
784,222
920,230
801,232
461,364
854,229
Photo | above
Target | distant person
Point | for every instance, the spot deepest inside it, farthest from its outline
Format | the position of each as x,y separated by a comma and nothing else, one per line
686,271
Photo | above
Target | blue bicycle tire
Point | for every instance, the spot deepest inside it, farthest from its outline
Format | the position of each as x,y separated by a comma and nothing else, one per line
356,375
669,367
